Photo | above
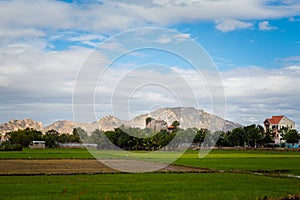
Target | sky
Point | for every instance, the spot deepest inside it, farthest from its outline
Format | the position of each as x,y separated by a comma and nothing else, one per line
45,46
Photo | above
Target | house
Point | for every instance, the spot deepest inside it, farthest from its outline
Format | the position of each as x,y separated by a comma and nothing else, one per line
156,125
276,124
160,125
171,128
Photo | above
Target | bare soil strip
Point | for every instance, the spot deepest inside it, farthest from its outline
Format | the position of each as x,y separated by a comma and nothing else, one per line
70,166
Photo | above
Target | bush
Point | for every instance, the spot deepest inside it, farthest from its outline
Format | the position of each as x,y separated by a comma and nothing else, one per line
7,146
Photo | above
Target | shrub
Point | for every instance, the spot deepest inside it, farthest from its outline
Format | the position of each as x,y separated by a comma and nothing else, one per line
8,146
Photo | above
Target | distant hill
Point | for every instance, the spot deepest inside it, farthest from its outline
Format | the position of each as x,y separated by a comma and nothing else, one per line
14,125
187,116
68,126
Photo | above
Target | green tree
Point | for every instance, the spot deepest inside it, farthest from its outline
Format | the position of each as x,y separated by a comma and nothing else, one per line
98,137
237,136
292,136
268,138
75,137
200,135
24,137
8,146
51,138
148,120
176,124
283,131
253,135
64,138
221,139
83,136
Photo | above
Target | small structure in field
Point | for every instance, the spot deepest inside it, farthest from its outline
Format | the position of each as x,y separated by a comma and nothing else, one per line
37,145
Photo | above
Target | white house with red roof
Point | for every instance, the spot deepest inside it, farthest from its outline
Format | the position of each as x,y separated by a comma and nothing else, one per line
276,123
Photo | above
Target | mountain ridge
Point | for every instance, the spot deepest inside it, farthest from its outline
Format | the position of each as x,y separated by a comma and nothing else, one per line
187,116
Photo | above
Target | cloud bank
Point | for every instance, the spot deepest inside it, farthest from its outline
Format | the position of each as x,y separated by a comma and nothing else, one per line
36,76
32,84
31,17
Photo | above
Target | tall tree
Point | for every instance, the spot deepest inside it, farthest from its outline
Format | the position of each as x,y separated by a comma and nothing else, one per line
268,138
253,135
200,135
51,138
237,136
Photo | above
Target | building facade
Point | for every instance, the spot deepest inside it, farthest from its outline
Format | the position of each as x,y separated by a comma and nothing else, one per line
276,124
156,125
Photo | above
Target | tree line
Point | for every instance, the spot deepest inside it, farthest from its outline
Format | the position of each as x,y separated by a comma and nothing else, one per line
23,138
249,136
148,139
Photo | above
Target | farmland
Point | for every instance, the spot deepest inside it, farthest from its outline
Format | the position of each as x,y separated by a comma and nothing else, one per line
147,186
222,174
254,160
217,159
46,154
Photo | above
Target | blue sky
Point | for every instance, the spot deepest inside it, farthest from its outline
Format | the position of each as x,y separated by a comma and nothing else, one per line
250,46
254,44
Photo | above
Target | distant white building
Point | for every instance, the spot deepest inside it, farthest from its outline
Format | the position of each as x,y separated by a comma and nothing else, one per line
37,145
276,123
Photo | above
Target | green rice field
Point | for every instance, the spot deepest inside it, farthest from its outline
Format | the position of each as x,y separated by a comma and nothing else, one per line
216,159
244,174
147,186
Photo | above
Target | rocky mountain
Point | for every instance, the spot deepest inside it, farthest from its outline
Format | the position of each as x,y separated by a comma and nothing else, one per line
187,116
110,122
14,125
68,126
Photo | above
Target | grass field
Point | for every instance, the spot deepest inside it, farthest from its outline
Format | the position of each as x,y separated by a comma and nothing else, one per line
242,185
252,160
217,159
46,154
147,186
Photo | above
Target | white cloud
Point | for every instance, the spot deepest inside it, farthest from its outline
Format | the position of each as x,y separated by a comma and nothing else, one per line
32,79
22,38
87,39
231,25
164,39
40,73
255,92
288,61
291,58
35,24
292,19
265,26
27,32
121,15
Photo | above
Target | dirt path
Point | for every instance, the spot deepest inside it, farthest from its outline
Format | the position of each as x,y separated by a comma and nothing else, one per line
73,166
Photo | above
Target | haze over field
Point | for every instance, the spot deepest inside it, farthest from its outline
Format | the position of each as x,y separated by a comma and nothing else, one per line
255,45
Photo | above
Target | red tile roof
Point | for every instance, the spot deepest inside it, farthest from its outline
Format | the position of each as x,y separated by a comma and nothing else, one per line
275,119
